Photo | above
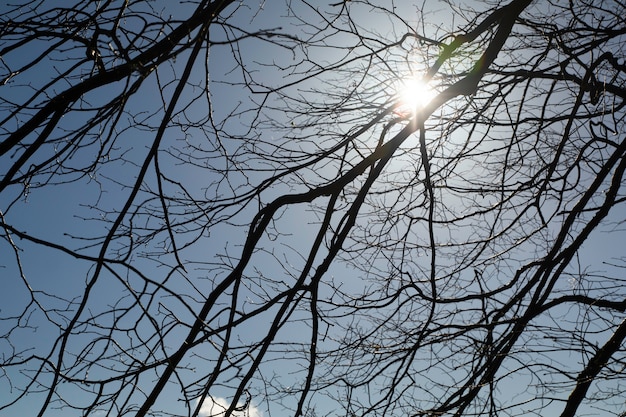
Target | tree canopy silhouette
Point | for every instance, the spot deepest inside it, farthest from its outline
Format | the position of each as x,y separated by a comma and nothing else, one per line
229,208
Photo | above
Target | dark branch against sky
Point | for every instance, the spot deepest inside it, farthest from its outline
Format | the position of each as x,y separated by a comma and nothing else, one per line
230,208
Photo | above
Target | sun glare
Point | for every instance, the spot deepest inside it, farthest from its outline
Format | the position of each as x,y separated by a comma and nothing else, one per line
413,95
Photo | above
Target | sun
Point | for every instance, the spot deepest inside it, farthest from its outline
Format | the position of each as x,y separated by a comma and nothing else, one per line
413,94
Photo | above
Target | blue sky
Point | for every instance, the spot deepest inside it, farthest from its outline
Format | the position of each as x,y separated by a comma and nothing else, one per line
77,214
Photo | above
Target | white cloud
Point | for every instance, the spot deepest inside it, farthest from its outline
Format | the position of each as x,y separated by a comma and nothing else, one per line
217,406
